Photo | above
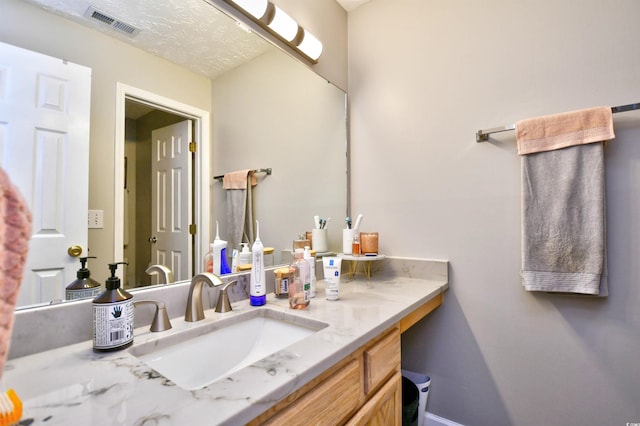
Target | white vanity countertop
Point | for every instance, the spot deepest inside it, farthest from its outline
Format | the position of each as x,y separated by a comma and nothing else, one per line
73,385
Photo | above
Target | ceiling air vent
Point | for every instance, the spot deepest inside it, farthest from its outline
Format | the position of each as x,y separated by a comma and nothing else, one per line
116,24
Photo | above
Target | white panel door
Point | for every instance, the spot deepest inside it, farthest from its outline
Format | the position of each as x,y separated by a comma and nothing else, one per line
44,148
171,198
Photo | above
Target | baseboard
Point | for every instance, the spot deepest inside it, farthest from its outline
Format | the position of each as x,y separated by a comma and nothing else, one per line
433,420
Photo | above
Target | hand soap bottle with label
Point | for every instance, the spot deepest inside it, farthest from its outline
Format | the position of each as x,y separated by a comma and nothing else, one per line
83,286
113,315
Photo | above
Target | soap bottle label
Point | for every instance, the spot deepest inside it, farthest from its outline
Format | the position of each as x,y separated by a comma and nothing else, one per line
113,324
83,294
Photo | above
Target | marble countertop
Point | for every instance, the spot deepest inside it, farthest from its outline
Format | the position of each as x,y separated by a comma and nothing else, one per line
73,385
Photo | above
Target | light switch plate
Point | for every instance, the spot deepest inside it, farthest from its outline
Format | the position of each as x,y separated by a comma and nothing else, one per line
96,219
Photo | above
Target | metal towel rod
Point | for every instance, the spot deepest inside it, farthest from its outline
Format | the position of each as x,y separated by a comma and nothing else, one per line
483,135
267,171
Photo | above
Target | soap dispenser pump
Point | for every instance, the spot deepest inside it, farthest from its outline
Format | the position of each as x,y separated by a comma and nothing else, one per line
113,315
83,286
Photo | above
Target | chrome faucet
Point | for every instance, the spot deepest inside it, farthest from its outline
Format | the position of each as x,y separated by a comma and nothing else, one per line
195,311
165,274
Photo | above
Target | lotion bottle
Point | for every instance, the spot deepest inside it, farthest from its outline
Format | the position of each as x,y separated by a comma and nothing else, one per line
245,255
257,290
312,271
83,286
299,286
113,315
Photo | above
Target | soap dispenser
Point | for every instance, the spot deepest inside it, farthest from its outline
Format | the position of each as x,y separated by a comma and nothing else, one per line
113,315
245,255
83,286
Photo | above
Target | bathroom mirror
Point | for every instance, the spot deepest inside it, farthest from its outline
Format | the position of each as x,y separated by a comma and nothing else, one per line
267,111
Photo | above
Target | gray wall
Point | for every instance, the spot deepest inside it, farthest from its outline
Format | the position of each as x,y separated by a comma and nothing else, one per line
424,75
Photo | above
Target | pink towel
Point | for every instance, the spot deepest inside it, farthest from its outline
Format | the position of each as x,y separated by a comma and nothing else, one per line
238,180
551,132
15,232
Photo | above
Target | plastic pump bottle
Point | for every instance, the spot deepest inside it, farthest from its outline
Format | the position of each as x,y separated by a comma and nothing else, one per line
300,286
257,291
83,286
245,255
312,270
113,315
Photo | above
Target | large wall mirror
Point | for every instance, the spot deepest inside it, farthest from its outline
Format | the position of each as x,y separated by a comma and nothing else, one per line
265,110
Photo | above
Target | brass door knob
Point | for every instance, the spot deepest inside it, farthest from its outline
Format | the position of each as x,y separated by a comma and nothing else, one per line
153,240
74,251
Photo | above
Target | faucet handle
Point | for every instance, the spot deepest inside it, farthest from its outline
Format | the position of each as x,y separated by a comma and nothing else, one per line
160,320
164,273
223,304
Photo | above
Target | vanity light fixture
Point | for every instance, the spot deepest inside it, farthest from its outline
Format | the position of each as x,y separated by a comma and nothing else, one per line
255,8
310,45
279,23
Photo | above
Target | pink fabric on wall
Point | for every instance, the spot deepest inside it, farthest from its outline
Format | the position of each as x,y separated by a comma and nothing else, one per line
15,232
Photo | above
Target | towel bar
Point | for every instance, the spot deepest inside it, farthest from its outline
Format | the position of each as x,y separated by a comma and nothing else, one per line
267,171
483,135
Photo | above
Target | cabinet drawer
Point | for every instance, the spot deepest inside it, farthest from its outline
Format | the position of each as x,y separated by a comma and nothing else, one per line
381,360
329,403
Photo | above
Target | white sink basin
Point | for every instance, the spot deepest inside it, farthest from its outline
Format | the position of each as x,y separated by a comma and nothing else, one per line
199,356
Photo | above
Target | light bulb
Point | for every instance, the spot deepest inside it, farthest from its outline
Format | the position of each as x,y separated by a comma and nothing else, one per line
283,24
255,8
310,46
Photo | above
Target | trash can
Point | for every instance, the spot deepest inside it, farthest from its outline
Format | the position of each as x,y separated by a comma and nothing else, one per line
410,403
422,383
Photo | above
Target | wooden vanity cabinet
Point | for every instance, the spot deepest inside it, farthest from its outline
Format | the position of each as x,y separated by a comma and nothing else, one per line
365,388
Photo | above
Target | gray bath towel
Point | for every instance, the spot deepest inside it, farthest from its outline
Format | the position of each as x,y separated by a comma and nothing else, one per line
563,215
238,186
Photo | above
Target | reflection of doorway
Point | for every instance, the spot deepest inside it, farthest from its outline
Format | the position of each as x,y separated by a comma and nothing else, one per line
144,243
138,113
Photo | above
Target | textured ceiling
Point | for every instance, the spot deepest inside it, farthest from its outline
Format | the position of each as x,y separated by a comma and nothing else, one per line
191,33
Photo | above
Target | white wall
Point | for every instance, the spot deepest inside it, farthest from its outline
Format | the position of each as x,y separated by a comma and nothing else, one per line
424,75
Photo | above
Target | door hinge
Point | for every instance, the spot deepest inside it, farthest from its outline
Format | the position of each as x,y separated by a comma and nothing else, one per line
192,229
192,147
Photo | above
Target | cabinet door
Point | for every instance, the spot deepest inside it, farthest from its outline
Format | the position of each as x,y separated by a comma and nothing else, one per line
384,408
381,360
330,403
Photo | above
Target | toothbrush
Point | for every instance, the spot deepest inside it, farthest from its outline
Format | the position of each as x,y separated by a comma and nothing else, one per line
10,408
358,221
316,219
